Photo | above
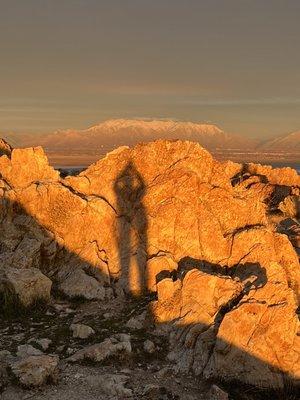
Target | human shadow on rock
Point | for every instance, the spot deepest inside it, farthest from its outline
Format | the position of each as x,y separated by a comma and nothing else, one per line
18,229
132,241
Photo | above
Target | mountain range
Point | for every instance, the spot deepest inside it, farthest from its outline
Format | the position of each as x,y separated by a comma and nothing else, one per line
112,133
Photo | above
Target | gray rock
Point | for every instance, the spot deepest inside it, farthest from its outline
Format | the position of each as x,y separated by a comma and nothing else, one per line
44,342
149,347
25,350
216,393
78,284
100,351
24,285
111,384
151,391
81,331
33,371
12,393
137,322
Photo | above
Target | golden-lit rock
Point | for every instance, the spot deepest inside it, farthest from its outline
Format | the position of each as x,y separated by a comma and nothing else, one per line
208,237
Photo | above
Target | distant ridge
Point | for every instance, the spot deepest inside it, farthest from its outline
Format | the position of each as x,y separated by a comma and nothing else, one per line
289,142
116,132
73,147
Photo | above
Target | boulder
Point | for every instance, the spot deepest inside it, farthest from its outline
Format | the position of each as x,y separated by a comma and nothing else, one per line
78,284
26,286
34,371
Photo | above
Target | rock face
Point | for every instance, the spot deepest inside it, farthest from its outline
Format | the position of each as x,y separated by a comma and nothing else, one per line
208,237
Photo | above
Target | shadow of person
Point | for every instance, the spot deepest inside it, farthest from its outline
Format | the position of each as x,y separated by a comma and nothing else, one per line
21,231
132,228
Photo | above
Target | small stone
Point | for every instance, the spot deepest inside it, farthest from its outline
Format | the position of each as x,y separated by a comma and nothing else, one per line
151,391
149,347
12,393
70,351
44,342
81,331
26,350
4,355
216,393
111,384
137,322
113,346
165,372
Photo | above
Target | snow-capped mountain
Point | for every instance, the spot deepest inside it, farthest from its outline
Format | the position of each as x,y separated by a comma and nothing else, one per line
116,132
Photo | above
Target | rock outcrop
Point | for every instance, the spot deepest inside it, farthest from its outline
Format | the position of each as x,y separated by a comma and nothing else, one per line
166,217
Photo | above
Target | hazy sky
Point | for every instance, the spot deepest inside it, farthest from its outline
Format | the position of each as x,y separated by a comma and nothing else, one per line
73,63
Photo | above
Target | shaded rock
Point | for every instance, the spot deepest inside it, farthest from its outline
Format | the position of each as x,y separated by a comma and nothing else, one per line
137,322
149,346
4,379
151,391
100,351
165,372
111,384
5,148
36,370
216,393
79,284
12,393
24,285
44,343
26,350
81,331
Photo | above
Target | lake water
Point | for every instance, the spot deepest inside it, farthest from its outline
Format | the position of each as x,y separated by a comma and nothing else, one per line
295,166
